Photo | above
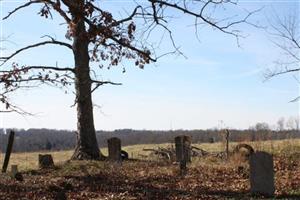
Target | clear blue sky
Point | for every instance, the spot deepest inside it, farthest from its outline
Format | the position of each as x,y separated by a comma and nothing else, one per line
218,80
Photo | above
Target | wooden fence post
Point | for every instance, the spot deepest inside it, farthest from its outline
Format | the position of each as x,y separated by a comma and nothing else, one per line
183,148
183,151
227,143
8,150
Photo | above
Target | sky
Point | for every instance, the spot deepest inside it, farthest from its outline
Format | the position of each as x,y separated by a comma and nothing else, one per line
217,83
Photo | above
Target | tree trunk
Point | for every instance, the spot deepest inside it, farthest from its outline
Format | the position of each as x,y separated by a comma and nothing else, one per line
87,145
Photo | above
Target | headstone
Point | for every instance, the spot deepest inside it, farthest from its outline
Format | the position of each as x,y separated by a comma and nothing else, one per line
262,174
45,161
114,149
14,170
183,148
15,174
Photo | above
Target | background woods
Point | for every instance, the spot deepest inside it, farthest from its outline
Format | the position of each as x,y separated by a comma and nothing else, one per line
47,139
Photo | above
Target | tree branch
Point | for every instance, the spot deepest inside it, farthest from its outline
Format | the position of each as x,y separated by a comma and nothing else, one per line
11,107
286,38
26,68
146,54
100,83
5,59
129,18
272,74
20,7
184,9
56,6
50,68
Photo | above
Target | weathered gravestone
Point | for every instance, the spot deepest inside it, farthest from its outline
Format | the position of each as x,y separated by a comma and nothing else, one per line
114,149
15,174
183,148
14,170
262,174
45,161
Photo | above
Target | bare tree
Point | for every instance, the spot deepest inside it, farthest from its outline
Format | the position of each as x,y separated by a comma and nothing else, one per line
293,123
280,124
262,126
286,36
98,35
297,123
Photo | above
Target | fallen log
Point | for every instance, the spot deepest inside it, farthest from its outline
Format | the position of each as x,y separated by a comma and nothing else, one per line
164,154
198,152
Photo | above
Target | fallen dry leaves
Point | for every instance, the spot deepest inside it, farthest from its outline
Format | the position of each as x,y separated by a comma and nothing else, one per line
147,180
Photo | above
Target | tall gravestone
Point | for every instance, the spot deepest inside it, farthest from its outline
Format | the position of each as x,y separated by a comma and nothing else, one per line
262,174
183,148
114,149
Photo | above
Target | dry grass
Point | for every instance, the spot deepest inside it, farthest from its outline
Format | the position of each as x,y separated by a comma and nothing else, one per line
207,177
28,161
146,180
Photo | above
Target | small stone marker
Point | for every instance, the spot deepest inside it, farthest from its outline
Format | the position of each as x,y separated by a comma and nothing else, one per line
262,174
183,148
14,170
45,161
114,149
15,174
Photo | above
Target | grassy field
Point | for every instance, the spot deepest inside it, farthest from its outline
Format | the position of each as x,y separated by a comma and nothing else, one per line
28,161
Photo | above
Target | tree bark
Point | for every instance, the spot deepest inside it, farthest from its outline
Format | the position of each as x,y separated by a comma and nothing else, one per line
87,145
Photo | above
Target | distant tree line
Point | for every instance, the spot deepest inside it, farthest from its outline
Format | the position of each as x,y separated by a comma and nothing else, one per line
48,139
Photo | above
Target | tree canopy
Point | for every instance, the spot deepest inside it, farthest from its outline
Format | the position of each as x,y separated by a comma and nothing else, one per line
96,34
